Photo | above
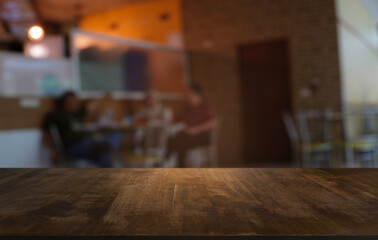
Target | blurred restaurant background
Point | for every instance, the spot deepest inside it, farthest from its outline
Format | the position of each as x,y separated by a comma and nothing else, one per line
189,83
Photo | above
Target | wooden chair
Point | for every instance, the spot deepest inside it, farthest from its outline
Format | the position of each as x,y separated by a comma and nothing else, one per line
208,154
153,148
59,150
294,138
360,138
315,138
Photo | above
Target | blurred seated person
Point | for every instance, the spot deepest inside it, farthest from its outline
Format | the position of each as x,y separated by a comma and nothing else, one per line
79,143
154,116
198,120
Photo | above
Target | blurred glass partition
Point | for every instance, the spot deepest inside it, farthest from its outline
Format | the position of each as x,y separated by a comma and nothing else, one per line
111,64
25,76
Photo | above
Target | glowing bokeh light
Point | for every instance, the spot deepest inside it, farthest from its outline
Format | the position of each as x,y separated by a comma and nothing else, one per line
38,51
36,33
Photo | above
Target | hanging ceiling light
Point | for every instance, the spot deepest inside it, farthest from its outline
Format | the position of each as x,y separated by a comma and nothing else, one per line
36,33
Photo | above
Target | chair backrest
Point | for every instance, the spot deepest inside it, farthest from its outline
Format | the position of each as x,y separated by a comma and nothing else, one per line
197,157
156,136
314,125
58,143
290,127
215,131
360,122
213,153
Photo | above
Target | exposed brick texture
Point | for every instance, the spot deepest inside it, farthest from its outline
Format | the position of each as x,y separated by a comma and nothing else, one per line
214,28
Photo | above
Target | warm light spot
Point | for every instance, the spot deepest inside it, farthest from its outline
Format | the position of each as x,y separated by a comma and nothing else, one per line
36,33
38,51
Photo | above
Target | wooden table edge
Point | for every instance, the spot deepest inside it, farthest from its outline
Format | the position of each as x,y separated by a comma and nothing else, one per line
188,237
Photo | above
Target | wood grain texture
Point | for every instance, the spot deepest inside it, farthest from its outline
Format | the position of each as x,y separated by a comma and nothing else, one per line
188,202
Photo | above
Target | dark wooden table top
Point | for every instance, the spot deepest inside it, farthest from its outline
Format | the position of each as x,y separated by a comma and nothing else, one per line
189,203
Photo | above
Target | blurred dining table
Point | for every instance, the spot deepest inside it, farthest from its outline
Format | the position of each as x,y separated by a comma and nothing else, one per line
99,131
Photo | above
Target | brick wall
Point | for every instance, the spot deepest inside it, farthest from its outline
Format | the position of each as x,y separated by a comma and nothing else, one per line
214,28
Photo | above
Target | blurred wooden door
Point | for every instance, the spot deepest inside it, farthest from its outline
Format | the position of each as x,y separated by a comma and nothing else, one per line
265,94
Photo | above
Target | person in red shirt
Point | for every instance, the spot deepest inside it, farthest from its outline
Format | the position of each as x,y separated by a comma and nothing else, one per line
198,119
